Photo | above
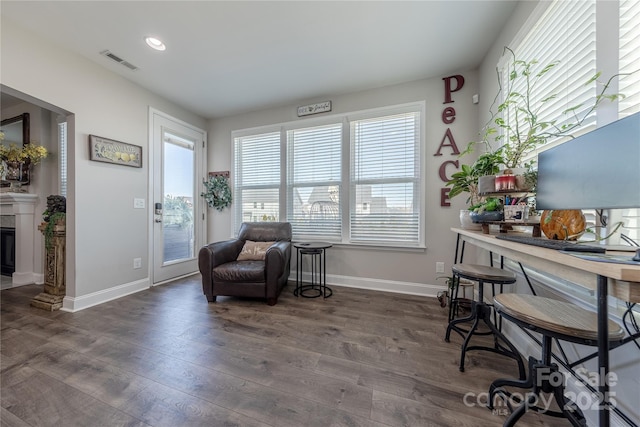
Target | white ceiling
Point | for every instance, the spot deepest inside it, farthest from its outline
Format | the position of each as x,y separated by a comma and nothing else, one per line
228,57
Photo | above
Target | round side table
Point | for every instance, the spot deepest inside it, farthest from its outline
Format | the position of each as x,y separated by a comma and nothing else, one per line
318,286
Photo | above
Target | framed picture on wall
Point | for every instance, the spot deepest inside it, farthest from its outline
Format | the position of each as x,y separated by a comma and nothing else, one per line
111,151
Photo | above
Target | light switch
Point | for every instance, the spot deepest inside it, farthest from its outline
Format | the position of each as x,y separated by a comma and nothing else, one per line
138,203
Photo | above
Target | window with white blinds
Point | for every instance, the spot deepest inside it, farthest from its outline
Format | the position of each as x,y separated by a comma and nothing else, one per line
351,178
62,158
256,178
629,85
314,175
629,58
385,179
566,34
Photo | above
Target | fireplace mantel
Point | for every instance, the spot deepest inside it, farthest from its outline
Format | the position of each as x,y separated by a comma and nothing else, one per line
22,207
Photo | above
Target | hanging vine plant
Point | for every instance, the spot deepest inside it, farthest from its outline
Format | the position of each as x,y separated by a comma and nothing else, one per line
55,214
217,192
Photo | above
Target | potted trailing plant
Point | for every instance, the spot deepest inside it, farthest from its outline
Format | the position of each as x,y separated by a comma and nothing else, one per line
54,216
516,127
524,131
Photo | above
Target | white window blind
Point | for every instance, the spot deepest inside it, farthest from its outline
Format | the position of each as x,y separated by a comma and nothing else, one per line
62,158
629,60
347,178
566,33
256,178
385,178
629,85
314,181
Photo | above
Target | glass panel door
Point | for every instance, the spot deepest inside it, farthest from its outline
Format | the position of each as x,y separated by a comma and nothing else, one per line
177,206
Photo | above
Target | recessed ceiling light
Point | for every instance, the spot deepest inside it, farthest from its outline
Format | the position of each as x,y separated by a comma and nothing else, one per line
154,43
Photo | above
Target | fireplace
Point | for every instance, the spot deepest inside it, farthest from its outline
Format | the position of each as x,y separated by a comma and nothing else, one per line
21,207
7,250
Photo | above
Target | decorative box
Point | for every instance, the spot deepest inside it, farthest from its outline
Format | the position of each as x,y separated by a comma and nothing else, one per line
516,213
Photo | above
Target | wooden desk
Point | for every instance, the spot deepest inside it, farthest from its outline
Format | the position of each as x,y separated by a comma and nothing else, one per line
622,280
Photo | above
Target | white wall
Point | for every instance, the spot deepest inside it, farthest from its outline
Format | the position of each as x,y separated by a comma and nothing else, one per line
403,271
105,233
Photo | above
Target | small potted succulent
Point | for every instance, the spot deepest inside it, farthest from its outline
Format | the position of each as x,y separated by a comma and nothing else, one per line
491,209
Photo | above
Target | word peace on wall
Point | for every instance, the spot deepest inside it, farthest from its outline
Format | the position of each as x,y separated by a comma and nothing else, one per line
451,84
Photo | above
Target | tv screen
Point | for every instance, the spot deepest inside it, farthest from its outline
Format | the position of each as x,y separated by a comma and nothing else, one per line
597,170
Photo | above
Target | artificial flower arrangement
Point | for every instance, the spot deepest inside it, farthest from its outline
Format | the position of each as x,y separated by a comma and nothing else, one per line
32,152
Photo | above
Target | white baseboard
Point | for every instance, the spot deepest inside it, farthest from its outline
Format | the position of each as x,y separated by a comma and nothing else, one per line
25,278
410,288
73,304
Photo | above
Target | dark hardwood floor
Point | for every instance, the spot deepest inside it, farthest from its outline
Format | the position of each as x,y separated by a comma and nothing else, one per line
165,357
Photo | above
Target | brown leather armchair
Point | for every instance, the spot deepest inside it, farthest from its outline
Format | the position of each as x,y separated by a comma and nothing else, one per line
223,274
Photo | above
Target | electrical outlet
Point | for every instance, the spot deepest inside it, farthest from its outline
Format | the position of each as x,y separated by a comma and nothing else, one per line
137,263
439,267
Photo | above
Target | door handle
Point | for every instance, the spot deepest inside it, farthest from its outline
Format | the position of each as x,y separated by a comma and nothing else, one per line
158,219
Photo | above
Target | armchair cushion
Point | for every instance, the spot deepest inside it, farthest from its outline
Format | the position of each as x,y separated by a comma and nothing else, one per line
240,271
254,251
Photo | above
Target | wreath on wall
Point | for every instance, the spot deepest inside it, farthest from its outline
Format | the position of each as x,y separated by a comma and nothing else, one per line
217,192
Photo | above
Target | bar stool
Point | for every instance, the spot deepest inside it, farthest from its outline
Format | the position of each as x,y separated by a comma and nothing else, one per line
482,311
552,319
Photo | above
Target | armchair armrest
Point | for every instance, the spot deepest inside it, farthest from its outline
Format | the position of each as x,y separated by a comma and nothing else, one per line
277,260
211,256
214,254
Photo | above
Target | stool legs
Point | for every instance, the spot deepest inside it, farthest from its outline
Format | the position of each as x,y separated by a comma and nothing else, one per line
482,311
543,378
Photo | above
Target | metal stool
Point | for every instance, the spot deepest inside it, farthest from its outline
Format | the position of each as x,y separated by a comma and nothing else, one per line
482,311
552,319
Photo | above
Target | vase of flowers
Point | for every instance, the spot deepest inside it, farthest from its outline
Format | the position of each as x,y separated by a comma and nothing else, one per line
16,162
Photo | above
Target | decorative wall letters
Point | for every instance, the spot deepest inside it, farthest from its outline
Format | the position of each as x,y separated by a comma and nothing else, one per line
451,84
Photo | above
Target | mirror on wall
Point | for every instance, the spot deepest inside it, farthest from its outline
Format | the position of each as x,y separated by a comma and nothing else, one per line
16,131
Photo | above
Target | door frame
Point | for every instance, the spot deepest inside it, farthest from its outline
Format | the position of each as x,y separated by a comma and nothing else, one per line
199,203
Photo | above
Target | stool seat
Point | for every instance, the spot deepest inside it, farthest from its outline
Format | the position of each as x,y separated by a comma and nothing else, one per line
484,273
552,319
482,312
567,320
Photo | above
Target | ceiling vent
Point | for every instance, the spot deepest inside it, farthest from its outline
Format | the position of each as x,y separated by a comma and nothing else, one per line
119,60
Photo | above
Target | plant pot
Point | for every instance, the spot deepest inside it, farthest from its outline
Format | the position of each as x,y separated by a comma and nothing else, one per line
16,173
479,217
466,222
486,184
534,218
521,183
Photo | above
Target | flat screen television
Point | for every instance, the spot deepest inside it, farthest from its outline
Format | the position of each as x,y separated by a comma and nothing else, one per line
597,170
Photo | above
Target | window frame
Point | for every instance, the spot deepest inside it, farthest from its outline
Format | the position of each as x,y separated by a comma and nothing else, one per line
345,194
